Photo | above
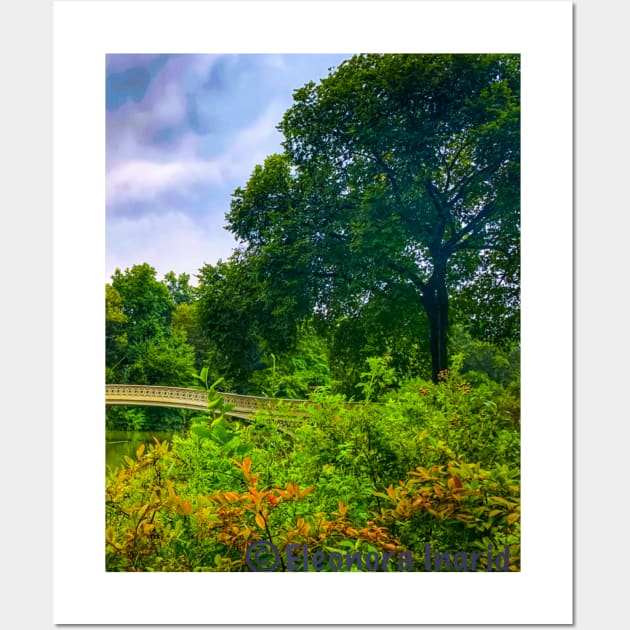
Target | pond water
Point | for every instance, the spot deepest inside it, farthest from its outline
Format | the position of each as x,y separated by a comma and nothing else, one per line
121,443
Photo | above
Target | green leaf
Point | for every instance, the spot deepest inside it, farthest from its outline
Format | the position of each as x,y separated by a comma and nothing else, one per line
201,431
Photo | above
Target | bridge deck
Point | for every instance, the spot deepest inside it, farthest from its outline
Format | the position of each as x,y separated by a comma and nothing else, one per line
185,398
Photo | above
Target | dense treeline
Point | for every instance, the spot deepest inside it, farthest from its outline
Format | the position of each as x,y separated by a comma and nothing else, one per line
391,219
146,340
159,332
379,262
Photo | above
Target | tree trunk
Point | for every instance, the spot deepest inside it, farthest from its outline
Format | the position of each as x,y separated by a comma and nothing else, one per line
435,302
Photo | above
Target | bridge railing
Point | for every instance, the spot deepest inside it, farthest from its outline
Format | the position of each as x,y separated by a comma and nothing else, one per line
186,398
155,395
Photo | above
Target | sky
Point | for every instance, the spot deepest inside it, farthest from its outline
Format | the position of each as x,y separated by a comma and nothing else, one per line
183,132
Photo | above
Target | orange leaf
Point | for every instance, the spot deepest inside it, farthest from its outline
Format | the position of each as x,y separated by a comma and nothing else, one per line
260,521
247,464
512,518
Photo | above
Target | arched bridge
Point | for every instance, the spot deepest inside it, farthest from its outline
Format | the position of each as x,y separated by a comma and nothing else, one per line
184,398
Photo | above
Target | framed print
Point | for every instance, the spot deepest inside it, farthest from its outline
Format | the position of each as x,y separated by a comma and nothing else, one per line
336,246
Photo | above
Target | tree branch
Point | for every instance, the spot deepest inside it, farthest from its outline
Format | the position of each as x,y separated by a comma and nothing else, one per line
452,244
408,274
465,185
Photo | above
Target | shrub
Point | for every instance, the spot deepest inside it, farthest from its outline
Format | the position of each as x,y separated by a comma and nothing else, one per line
435,464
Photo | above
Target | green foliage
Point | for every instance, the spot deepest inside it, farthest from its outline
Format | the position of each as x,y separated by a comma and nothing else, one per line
115,328
213,424
179,288
146,418
126,418
161,361
142,346
433,464
400,176
499,363
186,320
377,379
379,261
495,320
388,324
227,307
146,302
458,507
158,529
297,373
392,215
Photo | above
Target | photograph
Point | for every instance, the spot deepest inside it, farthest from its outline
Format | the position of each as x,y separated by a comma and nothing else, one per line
312,312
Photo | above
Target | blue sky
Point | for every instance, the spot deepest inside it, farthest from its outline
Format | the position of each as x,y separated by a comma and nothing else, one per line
183,131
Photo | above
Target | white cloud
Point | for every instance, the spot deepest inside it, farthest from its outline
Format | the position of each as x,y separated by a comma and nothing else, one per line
167,194
147,180
144,180
168,242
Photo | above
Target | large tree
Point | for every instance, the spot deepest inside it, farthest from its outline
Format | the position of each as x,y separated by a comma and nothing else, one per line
401,175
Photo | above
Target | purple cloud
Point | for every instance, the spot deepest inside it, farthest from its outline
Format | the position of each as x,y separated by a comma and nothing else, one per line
183,131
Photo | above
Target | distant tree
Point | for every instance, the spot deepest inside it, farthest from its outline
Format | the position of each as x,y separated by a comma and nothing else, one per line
143,347
179,288
115,332
167,360
297,373
185,319
146,302
230,310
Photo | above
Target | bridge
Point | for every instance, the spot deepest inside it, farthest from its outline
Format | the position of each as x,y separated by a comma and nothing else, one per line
184,398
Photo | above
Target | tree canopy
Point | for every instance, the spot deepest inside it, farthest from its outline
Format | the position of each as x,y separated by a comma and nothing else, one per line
400,177
141,344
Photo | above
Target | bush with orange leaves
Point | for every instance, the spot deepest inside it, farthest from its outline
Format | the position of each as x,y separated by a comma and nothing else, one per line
152,527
